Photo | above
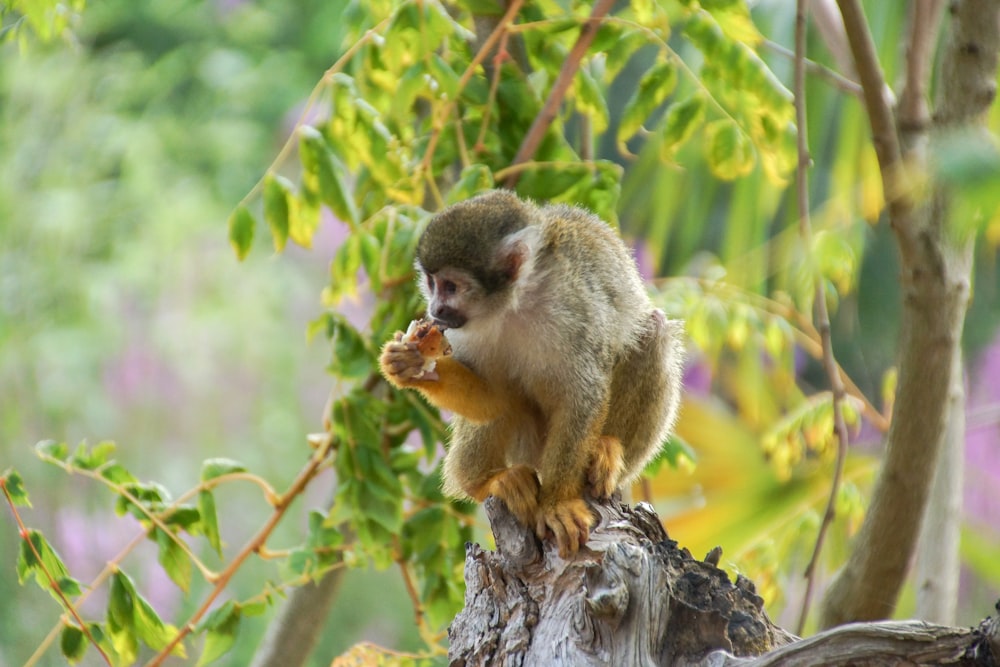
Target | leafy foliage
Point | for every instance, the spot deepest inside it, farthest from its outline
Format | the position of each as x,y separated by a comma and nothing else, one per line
46,19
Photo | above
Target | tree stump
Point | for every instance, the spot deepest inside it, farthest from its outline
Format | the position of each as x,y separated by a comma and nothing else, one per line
633,597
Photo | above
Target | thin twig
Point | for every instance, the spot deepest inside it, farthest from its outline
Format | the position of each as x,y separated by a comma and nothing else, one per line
833,77
442,111
569,69
820,312
883,123
914,108
498,59
53,584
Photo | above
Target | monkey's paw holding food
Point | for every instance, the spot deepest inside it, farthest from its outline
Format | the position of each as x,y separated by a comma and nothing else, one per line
413,355
429,338
568,520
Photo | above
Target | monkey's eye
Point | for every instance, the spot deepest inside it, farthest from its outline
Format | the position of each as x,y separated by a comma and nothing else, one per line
430,282
448,287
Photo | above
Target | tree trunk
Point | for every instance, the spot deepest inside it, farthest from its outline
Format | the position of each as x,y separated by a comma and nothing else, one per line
633,597
935,276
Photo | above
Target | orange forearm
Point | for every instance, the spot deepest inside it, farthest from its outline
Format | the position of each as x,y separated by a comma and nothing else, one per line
461,391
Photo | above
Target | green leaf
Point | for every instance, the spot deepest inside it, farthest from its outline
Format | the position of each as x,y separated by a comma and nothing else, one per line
152,496
728,150
209,520
671,453
52,449
120,622
93,457
446,77
323,173
222,627
241,230
589,100
117,474
132,617
344,268
277,192
175,562
217,467
14,485
679,123
185,517
303,217
73,644
38,558
622,51
654,87
351,358
121,601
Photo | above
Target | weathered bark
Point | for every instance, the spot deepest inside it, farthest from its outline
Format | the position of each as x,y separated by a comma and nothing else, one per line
633,597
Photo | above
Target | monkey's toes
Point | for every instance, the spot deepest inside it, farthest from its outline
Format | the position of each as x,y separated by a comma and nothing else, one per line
518,487
569,521
606,467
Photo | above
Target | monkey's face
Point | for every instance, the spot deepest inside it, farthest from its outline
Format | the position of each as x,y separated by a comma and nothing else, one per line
449,293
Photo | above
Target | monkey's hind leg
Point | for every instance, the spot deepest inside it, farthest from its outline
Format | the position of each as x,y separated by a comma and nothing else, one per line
645,393
476,466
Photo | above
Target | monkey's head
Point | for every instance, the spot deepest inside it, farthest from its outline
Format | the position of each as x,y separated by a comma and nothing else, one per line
473,254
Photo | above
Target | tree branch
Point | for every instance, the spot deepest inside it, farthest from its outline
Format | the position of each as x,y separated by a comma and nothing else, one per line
883,124
551,108
914,107
820,313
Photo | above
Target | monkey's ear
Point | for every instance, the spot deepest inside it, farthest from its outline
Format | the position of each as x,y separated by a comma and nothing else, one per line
517,254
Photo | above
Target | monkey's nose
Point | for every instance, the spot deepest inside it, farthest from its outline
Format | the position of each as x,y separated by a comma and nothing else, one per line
448,318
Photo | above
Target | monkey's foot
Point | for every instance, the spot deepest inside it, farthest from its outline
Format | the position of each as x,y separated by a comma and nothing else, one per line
517,486
568,520
606,467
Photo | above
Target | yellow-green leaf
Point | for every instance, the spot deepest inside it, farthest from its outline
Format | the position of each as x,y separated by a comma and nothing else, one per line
653,89
324,174
221,628
679,123
277,191
12,481
729,151
72,644
241,230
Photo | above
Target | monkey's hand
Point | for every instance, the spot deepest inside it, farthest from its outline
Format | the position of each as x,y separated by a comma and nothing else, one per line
413,355
568,519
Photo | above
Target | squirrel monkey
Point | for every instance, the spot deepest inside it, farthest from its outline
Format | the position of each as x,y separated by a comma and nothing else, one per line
562,376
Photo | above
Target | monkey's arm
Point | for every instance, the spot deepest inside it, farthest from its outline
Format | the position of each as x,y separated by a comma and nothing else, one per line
451,385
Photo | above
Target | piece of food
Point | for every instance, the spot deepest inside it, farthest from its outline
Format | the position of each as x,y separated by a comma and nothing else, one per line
430,341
